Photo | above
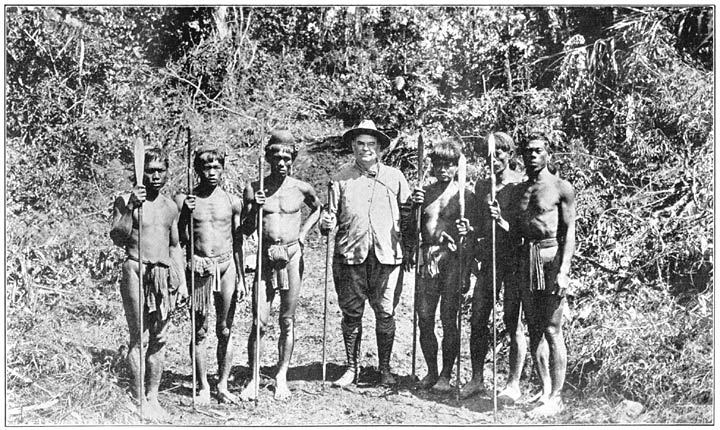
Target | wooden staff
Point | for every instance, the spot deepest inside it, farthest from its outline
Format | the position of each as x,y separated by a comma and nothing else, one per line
191,256
418,252
325,306
258,277
491,157
139,159
462,175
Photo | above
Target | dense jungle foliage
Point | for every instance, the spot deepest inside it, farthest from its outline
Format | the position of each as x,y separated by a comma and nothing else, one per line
626,93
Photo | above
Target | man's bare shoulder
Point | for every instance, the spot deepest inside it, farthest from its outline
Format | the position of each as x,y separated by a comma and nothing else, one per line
235,201
249,189
303,186
179,199
169,204
565,188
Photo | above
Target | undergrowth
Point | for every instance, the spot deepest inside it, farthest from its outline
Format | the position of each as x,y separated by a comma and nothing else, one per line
630,112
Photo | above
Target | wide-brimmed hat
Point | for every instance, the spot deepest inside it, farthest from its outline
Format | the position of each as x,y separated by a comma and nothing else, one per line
367,127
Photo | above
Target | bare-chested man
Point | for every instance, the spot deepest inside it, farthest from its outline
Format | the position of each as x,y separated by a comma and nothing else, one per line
283,240
217,265
542,224
441,268
505,179
162,264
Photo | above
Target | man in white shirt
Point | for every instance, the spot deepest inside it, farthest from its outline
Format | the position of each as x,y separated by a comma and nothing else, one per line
367,201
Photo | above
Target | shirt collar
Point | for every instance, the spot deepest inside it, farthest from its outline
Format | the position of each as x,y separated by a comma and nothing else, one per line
372,172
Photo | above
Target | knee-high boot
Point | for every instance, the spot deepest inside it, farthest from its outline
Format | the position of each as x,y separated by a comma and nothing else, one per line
385,342
352,338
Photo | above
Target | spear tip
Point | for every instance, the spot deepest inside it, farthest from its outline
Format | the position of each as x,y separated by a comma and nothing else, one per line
491,144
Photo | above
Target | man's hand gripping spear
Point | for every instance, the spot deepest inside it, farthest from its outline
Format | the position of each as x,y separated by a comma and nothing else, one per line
139,159
258,277
418,250
491,158
462,177
191,260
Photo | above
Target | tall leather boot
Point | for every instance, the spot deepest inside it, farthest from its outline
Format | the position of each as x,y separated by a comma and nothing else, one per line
385,343
351,338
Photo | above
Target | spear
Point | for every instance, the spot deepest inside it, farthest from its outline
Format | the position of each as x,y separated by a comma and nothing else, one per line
191,256
418,230
491,157
462,174
258,277
139,158
327,269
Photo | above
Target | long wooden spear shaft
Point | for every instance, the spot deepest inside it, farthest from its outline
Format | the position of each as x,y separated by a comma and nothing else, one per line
462,176
325,299
491,157
418,252
258,277
139,158
191,256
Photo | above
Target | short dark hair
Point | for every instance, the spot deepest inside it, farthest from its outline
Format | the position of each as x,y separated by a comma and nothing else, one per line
536,135
156,154
208,155
282,140
446,150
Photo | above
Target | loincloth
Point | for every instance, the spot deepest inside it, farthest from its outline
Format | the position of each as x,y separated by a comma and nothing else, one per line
161,281
532,264
278,259
436,259
206,271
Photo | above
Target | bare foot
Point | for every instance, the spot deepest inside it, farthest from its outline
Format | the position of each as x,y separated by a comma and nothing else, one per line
473,387
203,397
509,395
346,379
549,408
442,385
154,412
428,381
248,393
282,391
224,396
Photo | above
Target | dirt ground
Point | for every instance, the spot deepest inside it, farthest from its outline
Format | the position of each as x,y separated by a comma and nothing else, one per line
67,365
310,404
